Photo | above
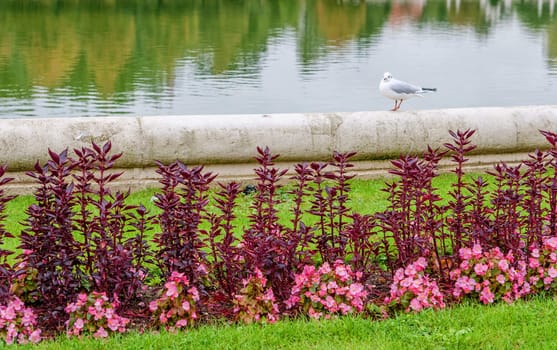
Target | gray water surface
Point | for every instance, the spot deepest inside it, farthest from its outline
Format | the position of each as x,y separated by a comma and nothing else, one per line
146,57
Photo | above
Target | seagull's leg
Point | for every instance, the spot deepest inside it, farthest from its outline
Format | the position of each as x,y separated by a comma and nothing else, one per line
399,105
394,108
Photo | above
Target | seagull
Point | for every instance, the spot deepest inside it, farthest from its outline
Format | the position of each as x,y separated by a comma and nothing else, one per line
400,90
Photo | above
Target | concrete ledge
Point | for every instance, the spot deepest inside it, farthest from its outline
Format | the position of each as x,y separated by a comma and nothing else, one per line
227,143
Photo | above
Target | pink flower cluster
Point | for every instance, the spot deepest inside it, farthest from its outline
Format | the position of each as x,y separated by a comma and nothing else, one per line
94,314
255,302
327,291
542,266
489,275
17,323
413,290
176,307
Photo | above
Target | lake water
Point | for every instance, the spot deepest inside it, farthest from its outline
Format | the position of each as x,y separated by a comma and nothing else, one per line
147,57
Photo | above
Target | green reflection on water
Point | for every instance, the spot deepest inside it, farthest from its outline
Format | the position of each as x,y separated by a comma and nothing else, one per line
110,47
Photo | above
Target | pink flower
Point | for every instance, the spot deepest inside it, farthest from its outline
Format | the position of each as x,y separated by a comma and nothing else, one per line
153,306
454,274
308,271
465,283
477,251
535,253
329,302
272,318
500,278
325,269
534,279
113,323
100,300
194,293
551,243
109,312
356,289
9,313
100,333
314,314
420,264
82,298
416,305
171,289
78,324
314,298
486,296
28,318
269,295
332,285
186,306
552,272
417,284
465,253
342,272
182,323
407,282
292,301
399,275
202,268
465,265
533,263
395,290
71,308
503,265
496,253
35,336
525,289
480,269
345,308
410,270
178,276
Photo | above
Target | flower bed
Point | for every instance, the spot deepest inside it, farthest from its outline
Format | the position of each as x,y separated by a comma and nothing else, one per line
92,266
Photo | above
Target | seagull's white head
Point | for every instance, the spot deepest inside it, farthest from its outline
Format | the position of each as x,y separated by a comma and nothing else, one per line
387,76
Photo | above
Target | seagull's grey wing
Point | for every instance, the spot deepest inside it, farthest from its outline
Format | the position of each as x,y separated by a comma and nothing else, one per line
401,87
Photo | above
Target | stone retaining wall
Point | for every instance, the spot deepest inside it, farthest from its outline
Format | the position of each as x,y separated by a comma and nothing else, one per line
227,143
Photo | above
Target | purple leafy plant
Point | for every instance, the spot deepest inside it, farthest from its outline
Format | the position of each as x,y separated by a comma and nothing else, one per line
225,255
6,271
81,236
113,231
51,250
411,221
183,202
265,242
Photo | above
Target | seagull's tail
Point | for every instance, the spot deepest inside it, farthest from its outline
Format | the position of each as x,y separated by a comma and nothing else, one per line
429,89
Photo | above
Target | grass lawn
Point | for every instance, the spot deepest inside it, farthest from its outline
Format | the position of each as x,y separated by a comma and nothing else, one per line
365,197
522,325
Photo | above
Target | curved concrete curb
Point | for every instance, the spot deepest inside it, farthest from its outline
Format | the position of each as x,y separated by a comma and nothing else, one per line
228,142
